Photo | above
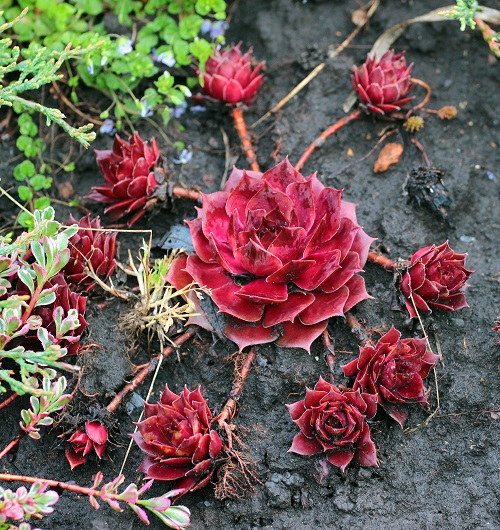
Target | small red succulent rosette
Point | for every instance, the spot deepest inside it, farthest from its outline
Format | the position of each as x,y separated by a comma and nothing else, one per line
178,441
129,171
393,370
230,77
383,84
85,442
280,253
333,420
436,279
89,247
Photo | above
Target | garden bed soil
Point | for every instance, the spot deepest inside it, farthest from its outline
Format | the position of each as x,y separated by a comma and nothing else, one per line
441,476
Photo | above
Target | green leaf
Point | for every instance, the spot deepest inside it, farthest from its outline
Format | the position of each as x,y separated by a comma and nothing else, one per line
46,298
25,194
42,202
26,277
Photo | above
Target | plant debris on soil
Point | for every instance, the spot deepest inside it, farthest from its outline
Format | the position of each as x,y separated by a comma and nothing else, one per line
438,475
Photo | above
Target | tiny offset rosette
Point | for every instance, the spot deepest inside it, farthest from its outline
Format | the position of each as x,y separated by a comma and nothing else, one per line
90,249
230,77
130,178
435,279
85,442
383,84
333,421
178,440
393,370
281,254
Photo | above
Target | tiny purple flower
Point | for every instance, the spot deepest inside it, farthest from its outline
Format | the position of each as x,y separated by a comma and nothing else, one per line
184,157
146,109
124,46
214,29
108,127
178,111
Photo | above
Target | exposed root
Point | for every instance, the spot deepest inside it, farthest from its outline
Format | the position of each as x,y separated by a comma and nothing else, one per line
246,143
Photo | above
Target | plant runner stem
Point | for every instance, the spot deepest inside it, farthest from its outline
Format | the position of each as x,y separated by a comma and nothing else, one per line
180,192
320,140
8,448
229,409
246,143
357,329
139,378
9,400
387,263
329,354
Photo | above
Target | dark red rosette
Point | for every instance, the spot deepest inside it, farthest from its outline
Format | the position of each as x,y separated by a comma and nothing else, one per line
129,171
383,85
333,420
178,440
84,442
281,254
229,76
393,370
89,248
436,279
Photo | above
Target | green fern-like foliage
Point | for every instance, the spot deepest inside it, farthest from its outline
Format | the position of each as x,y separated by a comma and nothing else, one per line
465,11
41,68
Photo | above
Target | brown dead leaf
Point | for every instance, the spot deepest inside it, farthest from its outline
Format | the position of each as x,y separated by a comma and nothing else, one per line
389,155
66,191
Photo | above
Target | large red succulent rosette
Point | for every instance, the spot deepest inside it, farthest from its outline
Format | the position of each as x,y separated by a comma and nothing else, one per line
280,253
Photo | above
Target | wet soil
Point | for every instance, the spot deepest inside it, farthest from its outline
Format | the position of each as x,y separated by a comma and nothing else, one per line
441,476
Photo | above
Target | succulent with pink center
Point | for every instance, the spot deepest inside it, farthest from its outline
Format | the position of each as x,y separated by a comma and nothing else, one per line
393,370
84,442
333,420
281,254
383,85
89,248
129,171
178,440
435,279
229,76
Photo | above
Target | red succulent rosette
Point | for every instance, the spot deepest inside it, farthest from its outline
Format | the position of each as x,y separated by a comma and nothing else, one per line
229,76
496,327
333,420
383,85
178,441
129,171
66,299
435,279
89,248
393,370
84,442
281,254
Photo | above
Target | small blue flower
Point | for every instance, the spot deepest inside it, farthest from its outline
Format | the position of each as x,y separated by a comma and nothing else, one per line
124,46
108,127
198,108
178,111
146,109
184,157
214,29
90,68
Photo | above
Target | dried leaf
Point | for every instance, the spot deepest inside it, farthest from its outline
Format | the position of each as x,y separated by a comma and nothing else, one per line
389,155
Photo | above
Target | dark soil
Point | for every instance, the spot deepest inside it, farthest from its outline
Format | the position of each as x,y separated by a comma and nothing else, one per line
441,476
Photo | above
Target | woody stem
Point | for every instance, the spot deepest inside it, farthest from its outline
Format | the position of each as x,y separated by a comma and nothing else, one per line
387,263
8,448
229,409
358,329
139,378
246,143
183,193
320,140
329,354
8,401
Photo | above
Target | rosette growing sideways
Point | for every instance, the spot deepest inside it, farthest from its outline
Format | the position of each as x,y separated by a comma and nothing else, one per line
89,248
129,171
393,370
334,421
280,253
229,76
178,441
84,442
383,85
436,279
